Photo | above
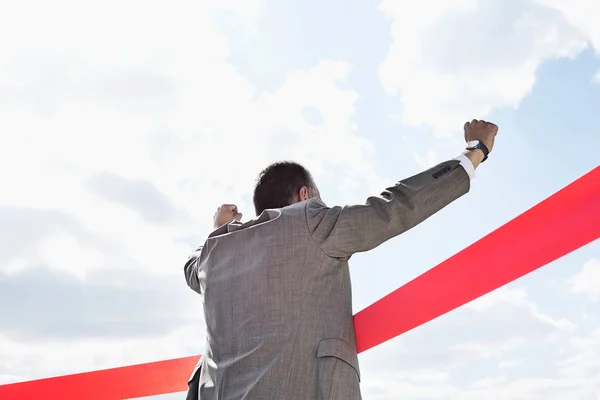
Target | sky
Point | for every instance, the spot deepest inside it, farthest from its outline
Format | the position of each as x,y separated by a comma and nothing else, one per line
125,124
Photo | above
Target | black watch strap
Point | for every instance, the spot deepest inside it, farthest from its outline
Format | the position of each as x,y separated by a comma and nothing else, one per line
478,144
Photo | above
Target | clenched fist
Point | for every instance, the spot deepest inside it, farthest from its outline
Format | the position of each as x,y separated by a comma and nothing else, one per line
481,130
225,214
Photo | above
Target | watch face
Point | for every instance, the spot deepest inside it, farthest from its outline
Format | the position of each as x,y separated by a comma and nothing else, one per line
472,144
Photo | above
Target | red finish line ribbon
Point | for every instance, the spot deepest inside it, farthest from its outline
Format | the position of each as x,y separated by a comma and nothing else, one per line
557,226
562,223
129,382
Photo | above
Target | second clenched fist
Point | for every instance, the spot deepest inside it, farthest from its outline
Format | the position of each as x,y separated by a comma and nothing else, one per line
225,214
481,130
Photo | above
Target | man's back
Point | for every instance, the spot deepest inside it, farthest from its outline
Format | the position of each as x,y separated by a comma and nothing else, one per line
277,295
274,303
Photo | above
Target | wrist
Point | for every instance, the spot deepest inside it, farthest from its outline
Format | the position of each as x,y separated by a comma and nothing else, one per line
476,156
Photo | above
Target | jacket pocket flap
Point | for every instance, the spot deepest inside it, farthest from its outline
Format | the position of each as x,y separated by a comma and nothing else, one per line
339,349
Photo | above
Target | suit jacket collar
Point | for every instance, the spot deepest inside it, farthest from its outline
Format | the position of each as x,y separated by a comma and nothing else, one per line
233,226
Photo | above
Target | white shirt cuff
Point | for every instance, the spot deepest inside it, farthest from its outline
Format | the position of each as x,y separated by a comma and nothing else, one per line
466,164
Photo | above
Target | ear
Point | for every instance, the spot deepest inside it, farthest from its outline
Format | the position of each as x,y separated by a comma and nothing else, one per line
303,193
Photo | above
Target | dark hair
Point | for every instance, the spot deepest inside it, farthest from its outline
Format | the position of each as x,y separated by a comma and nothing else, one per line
278,184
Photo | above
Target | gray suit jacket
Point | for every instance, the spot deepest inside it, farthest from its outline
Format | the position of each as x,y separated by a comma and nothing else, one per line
277,296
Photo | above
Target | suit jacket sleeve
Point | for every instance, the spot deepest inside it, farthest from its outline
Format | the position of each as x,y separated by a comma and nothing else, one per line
343,231
190,269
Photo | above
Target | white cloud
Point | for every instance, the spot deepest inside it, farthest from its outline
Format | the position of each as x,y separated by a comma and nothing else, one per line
587,281
489,349
452,61
64,251
428,160
509,364
161,105
31,360
7,378
499,346
568,370
585,360
518,297
582,14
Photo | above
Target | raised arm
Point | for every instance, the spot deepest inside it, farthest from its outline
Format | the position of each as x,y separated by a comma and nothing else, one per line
343,231
225,214
191,271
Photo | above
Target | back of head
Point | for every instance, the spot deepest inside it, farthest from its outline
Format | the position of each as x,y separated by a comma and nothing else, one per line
281,184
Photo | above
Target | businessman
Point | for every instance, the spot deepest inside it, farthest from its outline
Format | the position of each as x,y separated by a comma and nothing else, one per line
276,289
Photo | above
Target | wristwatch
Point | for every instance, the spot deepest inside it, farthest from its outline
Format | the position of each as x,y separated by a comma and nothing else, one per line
477,144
